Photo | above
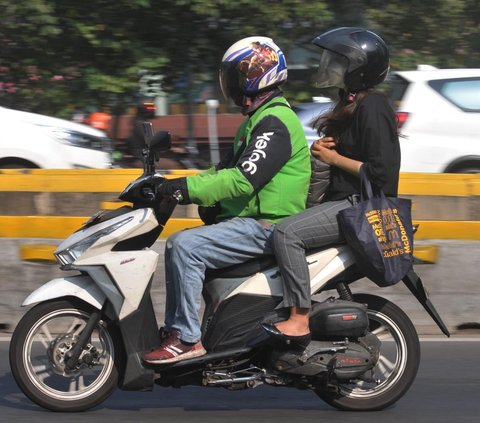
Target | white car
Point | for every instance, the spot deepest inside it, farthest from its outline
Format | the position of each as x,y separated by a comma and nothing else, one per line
308,114
439,119
29,140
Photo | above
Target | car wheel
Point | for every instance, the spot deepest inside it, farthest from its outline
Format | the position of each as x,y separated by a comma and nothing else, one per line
17,164
469,169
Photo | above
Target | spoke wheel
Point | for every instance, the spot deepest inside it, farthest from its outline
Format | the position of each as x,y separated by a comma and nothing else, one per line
395,369
39,351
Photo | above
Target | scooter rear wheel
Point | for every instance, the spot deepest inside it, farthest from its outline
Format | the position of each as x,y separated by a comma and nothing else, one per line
397,365
39,350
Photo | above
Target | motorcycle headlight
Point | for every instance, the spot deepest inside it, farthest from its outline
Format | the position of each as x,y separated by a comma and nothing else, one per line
72,253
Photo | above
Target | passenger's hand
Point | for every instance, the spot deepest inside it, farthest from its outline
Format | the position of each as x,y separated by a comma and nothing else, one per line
324,150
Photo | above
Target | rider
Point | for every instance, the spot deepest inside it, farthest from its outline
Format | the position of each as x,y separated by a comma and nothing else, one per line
361,131
263,180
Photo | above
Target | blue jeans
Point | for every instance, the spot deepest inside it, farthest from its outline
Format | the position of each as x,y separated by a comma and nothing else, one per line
190,252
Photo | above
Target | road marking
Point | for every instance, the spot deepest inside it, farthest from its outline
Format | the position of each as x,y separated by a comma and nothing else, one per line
473,338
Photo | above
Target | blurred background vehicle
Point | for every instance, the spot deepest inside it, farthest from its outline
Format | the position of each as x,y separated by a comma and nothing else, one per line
438,112
309,112
29,140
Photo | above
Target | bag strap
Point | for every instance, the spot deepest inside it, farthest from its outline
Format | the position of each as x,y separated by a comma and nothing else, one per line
366,189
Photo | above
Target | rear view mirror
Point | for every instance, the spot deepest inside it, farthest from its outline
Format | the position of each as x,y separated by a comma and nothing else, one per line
147,132
160,141
156,143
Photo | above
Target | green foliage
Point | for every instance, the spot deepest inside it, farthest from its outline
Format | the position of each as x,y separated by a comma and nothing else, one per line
443,33
58,56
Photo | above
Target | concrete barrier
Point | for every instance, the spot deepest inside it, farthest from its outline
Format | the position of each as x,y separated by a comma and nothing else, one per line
39,192
38,208
452,282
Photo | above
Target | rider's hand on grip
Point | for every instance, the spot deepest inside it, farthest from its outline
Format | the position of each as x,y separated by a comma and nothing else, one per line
176,189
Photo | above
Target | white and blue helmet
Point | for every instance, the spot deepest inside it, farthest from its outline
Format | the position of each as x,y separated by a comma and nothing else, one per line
250,66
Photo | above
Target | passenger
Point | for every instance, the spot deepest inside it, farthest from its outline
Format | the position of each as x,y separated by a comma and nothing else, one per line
264,180
360,131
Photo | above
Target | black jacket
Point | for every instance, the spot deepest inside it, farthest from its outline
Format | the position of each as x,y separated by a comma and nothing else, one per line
371,138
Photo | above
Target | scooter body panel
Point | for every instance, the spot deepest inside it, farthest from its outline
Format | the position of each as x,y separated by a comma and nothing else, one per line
322,265
123,276
326,264
128,225
80,286
235,306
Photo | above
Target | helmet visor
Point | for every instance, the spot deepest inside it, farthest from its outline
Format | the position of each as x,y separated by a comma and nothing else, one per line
331,71
230,81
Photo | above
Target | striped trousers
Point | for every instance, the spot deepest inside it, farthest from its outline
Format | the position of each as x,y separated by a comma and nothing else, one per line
313,228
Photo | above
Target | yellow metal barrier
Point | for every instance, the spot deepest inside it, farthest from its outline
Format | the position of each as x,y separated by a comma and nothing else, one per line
428,254
115,180
448,184
448,229
113,205
85,180
62,226
37,252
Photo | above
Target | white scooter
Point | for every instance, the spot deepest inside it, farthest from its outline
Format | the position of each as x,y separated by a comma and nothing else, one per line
86,333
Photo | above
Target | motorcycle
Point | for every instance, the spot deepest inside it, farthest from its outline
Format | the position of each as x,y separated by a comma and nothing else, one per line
86,332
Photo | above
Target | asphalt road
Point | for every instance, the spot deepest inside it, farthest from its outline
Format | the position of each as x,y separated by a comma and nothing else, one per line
447,389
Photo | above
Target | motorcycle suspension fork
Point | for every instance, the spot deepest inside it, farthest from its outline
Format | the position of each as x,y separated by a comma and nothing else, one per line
344,291
74,353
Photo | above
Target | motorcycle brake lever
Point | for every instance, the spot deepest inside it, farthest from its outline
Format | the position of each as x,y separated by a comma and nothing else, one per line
148,193
177,196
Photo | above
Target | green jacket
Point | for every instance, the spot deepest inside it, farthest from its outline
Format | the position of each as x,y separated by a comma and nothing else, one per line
270,179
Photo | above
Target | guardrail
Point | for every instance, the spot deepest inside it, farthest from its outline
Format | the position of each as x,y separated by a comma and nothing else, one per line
114,180
85,180
416,185
446,206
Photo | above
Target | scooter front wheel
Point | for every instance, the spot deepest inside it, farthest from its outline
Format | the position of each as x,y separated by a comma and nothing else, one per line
39,351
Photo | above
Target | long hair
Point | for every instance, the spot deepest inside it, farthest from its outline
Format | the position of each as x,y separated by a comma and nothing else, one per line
338,119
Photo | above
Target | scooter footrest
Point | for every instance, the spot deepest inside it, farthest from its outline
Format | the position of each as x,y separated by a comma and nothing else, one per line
197,361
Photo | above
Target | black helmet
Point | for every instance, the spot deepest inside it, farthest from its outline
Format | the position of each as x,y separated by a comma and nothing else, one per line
360,59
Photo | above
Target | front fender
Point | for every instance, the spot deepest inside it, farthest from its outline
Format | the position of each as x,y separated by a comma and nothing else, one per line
79,286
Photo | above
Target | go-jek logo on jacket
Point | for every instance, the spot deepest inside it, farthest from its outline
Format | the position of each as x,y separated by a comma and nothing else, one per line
260,144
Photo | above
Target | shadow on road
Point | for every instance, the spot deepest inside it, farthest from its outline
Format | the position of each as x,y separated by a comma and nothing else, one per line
186,398
11,396
209,399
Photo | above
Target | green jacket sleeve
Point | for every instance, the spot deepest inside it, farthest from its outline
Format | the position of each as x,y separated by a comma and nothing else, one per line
206,189
209,171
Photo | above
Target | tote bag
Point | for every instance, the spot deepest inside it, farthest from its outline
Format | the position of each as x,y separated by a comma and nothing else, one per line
379,230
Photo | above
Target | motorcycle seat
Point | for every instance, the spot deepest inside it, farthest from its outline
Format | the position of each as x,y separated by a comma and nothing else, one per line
241,270
253,266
